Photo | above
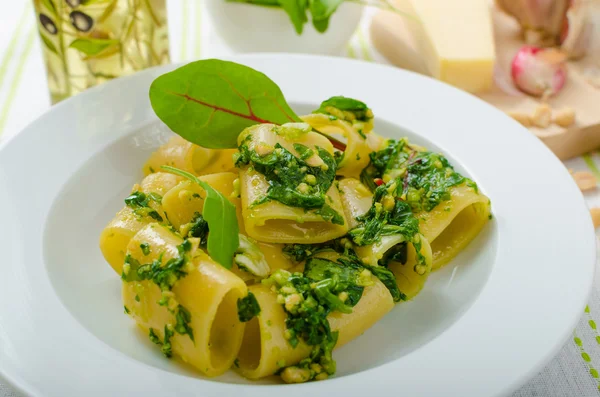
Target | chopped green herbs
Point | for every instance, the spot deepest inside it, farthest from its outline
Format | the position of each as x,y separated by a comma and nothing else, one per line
423,179
199,229
388,279
308,298
291,180
387,216
306,317
139,203
346,109
165,345
164,276
299,252
145,247
248,307
184,318
153,337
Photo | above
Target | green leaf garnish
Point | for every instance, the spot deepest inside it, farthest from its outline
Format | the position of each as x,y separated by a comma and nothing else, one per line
91,47
210,102
223,239
296,10
321,11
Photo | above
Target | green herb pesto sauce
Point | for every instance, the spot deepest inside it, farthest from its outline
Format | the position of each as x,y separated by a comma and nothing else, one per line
292,181
145,247
345,108
324,287
387,216
248,307
301,252
199,229
423,179
165,345
164,276
139,203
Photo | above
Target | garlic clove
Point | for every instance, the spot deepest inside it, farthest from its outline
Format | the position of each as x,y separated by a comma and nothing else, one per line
577,29
539,72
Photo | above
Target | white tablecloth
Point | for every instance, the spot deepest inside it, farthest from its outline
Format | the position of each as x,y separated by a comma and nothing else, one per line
23,97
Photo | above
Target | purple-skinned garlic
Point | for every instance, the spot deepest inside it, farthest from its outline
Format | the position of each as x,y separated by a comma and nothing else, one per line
538,71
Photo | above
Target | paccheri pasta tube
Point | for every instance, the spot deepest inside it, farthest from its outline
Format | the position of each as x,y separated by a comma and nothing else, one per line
325,225
450,208
185,301
179,153
287,188
142,207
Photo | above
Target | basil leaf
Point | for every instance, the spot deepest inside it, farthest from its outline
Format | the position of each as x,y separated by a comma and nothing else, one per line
223,238
209,102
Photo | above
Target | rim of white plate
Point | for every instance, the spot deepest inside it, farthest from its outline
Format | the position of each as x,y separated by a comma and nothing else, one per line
517,324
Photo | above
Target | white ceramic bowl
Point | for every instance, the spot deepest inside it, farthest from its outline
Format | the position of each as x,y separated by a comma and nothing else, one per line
253,28
481,326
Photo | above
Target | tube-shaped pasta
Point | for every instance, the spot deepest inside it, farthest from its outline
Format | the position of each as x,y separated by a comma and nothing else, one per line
410,277
265,349
126,223
273,221
208,292
356,199
453,224
186,200
179,153
358,147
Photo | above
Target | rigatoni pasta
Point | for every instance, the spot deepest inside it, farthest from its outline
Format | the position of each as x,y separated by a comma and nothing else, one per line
268,257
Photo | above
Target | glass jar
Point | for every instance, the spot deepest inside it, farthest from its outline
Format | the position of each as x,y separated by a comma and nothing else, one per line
87,42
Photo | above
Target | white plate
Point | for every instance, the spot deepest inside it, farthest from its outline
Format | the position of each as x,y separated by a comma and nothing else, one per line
481,327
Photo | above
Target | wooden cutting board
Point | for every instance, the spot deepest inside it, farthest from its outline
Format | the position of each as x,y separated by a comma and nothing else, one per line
392,39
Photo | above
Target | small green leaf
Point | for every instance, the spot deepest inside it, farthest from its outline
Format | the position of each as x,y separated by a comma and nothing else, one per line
210,102
49,4
223,238
91,47
296,10
322,25
49,45
321,11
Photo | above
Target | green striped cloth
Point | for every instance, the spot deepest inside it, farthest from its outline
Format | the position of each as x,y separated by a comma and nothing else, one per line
23,96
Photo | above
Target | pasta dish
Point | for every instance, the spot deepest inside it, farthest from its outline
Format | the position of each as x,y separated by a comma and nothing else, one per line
266,255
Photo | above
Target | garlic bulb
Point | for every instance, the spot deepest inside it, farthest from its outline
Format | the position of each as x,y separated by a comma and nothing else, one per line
576,35
539,72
